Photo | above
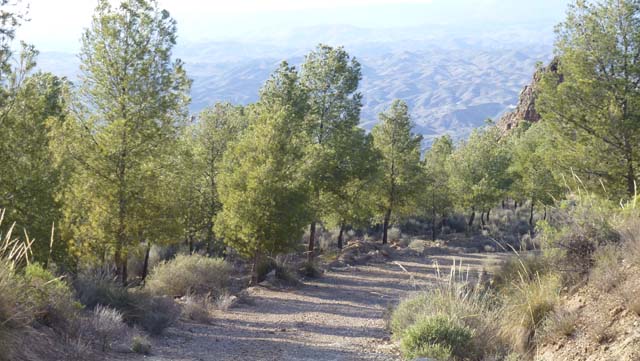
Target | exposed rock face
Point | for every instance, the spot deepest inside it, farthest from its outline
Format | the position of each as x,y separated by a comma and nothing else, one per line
525,110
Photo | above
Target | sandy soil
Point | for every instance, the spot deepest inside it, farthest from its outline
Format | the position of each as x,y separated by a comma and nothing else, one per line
339,316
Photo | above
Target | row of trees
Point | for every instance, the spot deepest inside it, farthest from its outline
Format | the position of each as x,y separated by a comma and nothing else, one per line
116,163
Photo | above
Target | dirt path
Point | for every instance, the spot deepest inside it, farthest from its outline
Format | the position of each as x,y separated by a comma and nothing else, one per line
336,317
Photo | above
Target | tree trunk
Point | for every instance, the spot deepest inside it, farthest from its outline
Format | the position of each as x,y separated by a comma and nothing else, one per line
385,226
531,213
472,217
117,260
312,237
190,242
433,226
503,205
488,214
340,235
145,264
210,238
515,204
254,269
125,275
545,213
631,175
482,222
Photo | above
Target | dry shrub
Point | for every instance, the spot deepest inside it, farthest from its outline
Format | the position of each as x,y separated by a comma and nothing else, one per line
153,313
557,325
526,305
107,323
189,274
631,296
629,231
607,273
198,308
520,266
140,344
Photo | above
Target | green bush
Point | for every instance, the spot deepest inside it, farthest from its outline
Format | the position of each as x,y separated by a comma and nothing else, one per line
52,298
192,274
408,312
468,306
437,337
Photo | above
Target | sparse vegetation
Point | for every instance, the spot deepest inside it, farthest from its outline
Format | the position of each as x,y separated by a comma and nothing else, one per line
109,171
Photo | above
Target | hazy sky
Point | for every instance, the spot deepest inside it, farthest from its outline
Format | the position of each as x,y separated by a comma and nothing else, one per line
56,25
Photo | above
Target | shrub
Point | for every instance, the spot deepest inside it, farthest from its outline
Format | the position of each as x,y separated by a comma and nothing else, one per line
557,325
189,274
520,266
606,273
575,230
263,268
438,337
309,269
141,344
394,234
629,231
52,298
408,312
15,310
454,297
526,305
152,313
107,323
197,308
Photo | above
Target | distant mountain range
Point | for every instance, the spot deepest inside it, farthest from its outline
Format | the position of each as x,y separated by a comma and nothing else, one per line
453,78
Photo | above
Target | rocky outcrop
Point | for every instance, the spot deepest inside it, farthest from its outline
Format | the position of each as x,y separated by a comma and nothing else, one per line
525,110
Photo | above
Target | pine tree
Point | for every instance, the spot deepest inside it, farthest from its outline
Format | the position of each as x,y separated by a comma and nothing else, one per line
330,77
399,185
262,186
592,101
437,198
132,97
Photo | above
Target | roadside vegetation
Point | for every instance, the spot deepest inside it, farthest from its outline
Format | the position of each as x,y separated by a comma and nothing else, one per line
120,214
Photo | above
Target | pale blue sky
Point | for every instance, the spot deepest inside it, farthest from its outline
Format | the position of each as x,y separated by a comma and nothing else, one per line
56,25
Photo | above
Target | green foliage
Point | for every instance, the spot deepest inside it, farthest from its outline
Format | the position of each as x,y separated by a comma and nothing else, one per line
478,168
437,199
337,150
198,166
51,297
592,101
29,182
576,229
262,188
192,274
117,140
438,337
401,172
533,167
